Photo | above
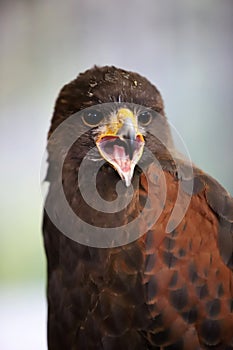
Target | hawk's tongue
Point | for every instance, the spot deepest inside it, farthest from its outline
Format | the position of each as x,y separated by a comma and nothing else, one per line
121,158
119,152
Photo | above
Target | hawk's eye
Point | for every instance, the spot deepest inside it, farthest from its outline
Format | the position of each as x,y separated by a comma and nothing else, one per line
92,117
145,118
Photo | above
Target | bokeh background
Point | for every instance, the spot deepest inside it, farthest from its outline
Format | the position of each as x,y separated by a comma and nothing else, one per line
185,47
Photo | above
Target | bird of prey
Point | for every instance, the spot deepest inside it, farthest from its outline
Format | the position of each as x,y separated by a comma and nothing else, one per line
166,282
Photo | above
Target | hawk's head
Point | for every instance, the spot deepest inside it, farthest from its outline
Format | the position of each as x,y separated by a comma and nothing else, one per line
119,110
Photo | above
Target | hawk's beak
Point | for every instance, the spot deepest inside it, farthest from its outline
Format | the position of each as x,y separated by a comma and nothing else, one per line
123,145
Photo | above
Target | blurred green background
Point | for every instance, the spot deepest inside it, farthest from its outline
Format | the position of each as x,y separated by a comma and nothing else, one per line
185,47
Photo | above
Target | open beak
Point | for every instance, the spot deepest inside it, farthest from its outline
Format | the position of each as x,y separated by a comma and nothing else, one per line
123,148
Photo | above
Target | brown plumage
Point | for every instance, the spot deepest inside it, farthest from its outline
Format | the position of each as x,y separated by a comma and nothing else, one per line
165,290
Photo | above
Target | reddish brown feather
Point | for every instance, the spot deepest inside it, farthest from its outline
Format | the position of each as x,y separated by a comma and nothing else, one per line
199,271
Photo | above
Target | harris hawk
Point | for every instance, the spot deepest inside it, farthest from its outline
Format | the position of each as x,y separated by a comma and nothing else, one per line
148,262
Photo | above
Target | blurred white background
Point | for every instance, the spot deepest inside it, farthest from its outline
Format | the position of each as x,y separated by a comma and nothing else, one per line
184,47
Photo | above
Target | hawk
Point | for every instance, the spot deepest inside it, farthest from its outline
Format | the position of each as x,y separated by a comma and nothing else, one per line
148,263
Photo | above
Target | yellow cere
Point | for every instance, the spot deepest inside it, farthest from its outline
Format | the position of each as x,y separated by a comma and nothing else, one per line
118,120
